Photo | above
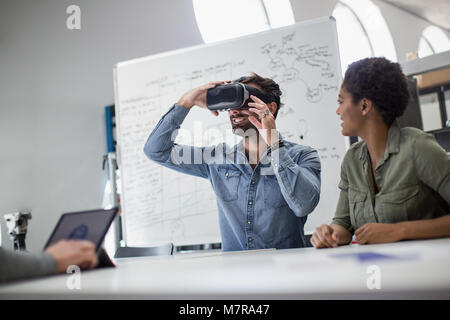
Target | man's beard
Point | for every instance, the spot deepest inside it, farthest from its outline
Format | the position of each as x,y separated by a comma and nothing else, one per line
244,128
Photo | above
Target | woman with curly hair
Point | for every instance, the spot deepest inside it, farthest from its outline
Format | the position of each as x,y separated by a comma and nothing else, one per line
395,182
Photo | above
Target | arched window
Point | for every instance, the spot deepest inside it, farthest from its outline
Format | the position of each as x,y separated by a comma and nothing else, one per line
433,40
226,19
362,32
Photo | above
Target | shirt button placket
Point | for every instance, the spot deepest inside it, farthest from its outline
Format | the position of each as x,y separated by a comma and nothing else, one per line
250,210
249,218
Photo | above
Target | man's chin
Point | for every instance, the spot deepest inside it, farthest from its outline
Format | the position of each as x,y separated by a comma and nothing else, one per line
248,130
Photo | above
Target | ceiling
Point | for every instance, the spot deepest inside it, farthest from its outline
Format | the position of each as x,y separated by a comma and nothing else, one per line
434,11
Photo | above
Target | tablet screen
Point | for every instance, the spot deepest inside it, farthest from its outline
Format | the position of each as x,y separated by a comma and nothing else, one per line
85,225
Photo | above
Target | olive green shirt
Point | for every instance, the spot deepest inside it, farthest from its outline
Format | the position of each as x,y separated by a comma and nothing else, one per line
413,180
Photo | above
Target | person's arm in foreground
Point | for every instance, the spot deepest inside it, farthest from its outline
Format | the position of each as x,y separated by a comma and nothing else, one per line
56,259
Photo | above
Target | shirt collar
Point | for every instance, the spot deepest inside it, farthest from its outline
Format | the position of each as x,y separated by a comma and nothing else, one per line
392,144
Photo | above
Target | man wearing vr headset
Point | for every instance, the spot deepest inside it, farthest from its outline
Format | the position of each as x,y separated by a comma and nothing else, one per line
265,186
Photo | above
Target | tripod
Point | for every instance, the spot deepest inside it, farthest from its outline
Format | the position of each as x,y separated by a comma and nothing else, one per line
17,224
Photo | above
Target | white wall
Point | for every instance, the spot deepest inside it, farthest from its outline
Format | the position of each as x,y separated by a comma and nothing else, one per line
54,84
305,10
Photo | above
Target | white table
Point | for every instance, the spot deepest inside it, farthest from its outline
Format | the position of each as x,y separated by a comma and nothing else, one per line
411,270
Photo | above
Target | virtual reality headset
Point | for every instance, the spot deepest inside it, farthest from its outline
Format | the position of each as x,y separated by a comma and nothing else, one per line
234,95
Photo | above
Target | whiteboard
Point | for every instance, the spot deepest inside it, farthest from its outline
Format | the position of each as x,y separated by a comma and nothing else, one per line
161,205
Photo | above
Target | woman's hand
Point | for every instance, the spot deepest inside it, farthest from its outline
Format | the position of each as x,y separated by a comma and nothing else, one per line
378,233
324,237
330,236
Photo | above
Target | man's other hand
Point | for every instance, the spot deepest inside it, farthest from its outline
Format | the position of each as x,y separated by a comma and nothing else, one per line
197,96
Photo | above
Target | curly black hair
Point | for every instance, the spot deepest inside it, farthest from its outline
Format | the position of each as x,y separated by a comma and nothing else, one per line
382,82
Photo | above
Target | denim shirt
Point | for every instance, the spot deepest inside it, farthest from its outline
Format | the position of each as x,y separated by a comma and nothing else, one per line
264,207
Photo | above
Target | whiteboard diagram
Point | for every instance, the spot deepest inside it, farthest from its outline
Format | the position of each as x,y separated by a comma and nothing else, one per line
288,63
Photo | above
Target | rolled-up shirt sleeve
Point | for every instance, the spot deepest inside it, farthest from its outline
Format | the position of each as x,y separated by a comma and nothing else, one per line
299,180
162,149
432,164
342,213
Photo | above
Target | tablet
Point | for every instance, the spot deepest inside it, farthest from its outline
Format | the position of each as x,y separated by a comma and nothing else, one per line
84,225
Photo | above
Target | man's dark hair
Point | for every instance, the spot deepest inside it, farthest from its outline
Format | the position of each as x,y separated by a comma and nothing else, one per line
269,87
382,82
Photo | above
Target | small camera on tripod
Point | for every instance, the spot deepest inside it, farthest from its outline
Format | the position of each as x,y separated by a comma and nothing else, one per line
17,223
